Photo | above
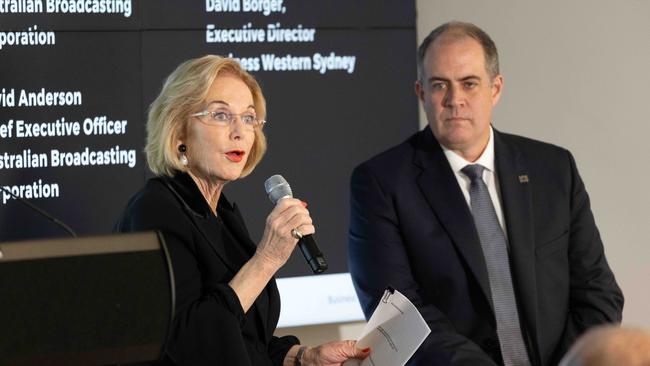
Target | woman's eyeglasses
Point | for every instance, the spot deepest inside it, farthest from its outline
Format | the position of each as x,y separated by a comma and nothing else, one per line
222,118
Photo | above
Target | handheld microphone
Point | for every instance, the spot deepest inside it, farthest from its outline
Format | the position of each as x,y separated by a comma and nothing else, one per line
277,188
40,211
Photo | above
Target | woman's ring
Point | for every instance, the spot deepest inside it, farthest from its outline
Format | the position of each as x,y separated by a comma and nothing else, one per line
296,234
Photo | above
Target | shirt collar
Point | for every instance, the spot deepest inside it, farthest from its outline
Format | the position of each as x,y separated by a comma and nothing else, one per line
486,159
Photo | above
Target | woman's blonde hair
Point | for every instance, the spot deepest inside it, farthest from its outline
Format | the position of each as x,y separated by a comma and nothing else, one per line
183,93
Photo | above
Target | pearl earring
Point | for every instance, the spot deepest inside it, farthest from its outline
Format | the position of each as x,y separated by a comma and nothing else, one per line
182,149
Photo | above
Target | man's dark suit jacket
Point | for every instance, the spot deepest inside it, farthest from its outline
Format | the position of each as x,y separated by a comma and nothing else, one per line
209,326
411,228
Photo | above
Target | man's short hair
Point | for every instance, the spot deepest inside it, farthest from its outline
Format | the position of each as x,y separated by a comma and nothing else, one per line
183,93
609,345
460,30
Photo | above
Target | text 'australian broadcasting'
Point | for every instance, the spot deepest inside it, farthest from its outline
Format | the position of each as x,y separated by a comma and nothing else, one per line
26,159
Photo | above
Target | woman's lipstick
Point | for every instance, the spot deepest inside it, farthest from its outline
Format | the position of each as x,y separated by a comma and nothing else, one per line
235,155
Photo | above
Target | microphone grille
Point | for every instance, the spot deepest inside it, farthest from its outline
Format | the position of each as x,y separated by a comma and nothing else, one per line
277,187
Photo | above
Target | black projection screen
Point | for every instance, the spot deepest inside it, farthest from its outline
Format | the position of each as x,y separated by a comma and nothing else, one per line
77,77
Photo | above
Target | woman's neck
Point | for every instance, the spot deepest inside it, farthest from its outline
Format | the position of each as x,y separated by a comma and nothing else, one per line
210,189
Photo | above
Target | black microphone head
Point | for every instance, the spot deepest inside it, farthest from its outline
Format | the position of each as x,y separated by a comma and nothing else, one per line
277,188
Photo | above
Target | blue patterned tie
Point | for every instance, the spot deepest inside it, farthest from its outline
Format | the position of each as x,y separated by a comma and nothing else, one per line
495,251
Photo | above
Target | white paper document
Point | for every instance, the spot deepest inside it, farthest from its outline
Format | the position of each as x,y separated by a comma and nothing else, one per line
394,332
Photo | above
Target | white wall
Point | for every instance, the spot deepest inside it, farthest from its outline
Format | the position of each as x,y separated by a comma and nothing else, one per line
577,74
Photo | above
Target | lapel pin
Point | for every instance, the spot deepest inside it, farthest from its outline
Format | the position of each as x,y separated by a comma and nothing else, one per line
523,178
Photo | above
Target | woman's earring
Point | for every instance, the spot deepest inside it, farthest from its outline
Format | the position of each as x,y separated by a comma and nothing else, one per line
182,149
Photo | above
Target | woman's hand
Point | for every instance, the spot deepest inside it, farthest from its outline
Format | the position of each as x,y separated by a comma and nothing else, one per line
277,242
333,354
273,251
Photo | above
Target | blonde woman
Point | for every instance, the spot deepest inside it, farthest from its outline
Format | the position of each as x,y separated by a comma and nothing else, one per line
204,130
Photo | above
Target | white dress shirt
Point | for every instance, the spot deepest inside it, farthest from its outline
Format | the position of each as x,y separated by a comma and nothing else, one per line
490,176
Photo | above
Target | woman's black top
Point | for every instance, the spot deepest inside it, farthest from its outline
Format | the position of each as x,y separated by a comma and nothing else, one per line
209,326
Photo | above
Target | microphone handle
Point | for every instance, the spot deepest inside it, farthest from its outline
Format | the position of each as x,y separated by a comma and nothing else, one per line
312,254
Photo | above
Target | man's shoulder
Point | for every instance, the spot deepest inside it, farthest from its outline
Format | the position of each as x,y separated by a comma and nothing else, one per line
533,148
541,159
394,156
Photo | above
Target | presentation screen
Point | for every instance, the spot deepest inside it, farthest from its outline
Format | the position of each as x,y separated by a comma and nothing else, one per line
78,77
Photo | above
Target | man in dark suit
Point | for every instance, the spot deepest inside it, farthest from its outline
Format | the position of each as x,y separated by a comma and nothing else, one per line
490,235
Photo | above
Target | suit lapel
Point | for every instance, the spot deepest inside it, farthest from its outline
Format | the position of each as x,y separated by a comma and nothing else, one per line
440,188
232,218
516,198
191,199
206,227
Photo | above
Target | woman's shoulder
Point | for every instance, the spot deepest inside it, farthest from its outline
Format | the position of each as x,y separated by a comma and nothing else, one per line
154,195
152,208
